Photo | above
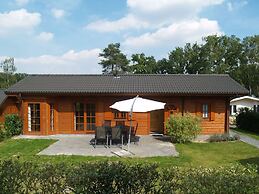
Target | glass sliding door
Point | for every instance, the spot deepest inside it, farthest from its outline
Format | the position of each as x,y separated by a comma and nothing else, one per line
34,117
79,116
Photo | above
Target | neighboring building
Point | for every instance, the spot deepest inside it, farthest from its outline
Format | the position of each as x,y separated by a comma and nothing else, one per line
7,105
249,102
76,104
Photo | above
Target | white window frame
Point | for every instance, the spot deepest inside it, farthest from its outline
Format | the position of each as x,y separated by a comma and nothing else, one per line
51,107
29,118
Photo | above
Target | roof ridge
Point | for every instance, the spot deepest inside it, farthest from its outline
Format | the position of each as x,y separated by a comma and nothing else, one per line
110,75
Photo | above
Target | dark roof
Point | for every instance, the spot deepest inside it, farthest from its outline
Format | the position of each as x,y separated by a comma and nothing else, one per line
2,97
129,84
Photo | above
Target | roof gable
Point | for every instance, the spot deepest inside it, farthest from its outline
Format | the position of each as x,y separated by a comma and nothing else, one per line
139,84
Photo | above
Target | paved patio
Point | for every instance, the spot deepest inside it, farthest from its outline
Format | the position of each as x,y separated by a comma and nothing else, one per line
148,146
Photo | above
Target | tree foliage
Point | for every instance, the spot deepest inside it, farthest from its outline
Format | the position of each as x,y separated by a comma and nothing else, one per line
142,64
113,61
8,76
215,55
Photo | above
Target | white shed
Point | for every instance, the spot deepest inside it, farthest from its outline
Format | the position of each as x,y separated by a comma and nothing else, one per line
244,102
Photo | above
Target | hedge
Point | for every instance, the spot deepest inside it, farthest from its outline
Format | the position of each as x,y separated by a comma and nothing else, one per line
248,120
120,177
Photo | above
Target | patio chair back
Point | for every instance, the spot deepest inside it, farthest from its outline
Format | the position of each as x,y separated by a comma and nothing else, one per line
116,133
100,133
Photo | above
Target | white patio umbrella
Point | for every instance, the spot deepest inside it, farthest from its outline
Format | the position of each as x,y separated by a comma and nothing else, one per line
137,104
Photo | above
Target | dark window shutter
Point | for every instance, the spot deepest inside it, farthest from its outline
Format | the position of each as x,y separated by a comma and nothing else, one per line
212,111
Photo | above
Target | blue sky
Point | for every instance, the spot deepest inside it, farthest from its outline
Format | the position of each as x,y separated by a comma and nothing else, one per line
65,36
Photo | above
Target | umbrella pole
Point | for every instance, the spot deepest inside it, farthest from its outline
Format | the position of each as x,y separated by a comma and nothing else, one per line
130,130
131,111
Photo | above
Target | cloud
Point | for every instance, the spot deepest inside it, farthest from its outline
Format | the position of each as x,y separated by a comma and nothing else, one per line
21,2
154,6
232,6
174,34
153,14
129,21
85,61
17,20
58,13
45,36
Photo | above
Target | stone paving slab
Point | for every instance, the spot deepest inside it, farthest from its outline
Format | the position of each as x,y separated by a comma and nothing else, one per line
148,146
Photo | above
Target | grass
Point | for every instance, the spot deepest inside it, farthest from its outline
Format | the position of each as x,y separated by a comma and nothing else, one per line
193,154
248,133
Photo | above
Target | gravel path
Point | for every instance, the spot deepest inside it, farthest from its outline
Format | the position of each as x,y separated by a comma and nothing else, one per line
246,138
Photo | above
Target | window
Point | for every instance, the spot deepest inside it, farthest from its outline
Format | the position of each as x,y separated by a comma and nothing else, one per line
257,108
230,108
79,116
34,117
90,116
205,110
120,115
51,106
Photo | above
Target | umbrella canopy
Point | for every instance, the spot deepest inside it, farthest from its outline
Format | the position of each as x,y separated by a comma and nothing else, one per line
137,104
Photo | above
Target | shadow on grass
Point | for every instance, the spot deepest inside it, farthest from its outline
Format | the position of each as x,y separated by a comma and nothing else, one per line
250,161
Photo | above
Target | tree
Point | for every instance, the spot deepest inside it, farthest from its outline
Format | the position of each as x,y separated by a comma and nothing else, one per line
8,75
248,72
113,60
248,76
175,64
8,68
143,64
223,53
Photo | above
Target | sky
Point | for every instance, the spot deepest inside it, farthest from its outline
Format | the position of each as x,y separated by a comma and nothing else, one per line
66,36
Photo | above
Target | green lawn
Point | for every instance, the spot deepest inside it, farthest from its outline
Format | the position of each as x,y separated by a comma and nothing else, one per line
193,154
248,133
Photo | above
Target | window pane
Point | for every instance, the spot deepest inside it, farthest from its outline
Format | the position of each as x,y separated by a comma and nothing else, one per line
205,110
79,126
79,116
90,116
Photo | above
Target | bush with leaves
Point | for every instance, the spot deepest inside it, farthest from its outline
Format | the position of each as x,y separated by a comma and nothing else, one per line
248,120
121,177
184,128
223,137
13,125
2,132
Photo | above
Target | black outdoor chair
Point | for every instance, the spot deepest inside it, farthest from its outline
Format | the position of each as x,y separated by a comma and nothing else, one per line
116,135
101,136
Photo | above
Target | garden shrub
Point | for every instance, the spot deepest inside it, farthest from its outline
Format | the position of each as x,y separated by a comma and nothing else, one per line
2,132
13,125
248,120
184,128
223,137
120,177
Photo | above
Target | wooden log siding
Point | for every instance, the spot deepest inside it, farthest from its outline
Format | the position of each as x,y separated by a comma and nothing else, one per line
64,113
10,106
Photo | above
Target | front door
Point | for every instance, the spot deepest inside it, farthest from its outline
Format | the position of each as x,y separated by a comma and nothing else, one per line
157,121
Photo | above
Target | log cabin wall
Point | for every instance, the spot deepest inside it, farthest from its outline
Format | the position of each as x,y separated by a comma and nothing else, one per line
64,116
10,106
